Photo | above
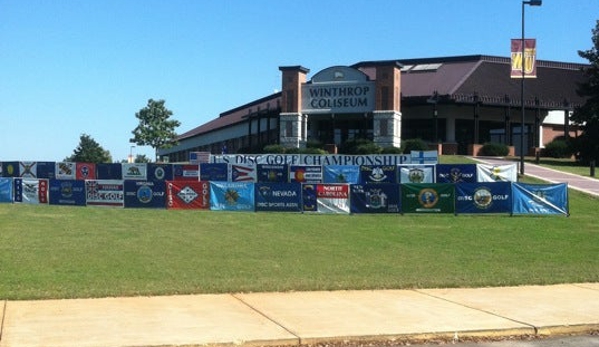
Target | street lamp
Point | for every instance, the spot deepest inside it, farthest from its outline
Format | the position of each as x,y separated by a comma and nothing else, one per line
531,3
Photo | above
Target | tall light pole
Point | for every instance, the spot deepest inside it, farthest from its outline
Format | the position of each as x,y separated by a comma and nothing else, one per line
531,3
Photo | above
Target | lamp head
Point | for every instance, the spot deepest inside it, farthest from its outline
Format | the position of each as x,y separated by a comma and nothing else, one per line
534,2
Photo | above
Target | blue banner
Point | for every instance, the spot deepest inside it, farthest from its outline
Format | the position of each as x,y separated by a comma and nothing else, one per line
540,198
342,174
6,189
375,198
186,172
378,174
150,194
279,197
67,192
456,173
273,173
10,169
309,202
491,197
160,172
214,172
17,189
305,173
46,169
232,196
416,173
109,171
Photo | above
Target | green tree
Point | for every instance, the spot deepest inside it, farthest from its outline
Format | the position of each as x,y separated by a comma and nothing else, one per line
155,129
89,151
587,115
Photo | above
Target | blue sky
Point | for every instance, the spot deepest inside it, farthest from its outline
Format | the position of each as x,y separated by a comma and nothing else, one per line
69,67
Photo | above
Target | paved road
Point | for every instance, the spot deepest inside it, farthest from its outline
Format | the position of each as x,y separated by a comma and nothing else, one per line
572,341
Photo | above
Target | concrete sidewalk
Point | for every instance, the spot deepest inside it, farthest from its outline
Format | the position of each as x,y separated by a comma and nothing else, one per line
302,317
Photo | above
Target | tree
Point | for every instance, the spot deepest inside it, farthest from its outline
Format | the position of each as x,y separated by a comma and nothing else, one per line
155,129
587,115
89,151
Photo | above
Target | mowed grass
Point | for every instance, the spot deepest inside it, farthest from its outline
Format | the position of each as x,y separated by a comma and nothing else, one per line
76,252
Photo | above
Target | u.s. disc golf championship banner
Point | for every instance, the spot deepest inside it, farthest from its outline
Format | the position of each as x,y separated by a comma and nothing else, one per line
159,172
305,173
243,173
278,197
427,198
326,198
151,194
135,171
378,174
67,192
497,173
232,196
416,173
456,173
214,172
273,173
489,197
341,174
105,193
374,198
187,195
6,189
540,198
31,190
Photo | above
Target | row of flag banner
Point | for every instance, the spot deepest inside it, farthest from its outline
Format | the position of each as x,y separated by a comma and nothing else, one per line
457,198
264,173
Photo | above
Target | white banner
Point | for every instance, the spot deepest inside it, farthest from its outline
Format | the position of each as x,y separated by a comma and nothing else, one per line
497,173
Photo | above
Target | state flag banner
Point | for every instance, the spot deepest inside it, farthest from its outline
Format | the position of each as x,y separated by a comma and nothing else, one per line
159,172
417,173
427,198
232,196
484,197
551,199
46,169
31,190
496,173
456,173
6,191
186,172
108,193
10,169
378,174
85,171
214,172
341,174
187,195
145,194
243,172
278,197
65,171
273,173
135,171
332,198
375,198
28,169
305,173
109,171
67,192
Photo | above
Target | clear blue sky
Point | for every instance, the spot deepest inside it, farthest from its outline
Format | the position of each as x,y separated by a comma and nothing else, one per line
69,67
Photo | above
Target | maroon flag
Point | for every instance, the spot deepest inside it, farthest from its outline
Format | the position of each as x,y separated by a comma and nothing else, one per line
530,58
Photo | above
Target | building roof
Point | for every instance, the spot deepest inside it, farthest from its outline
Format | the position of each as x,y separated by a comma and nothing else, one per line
458,79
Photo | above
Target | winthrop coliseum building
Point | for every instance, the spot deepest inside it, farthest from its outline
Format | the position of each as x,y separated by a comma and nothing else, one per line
454,103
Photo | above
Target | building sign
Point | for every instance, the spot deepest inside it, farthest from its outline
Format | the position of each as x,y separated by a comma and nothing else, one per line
338,90
530,58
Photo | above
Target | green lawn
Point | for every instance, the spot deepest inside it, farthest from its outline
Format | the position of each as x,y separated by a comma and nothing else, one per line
72,252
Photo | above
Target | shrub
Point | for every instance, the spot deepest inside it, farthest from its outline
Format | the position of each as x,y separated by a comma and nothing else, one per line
368,148
492,149
413,145
351,146
391,150
274,149
558,148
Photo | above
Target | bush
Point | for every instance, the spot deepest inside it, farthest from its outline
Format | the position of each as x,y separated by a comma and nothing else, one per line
351,146
492,149
413,145
368,148
391,150
558,148
274,149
